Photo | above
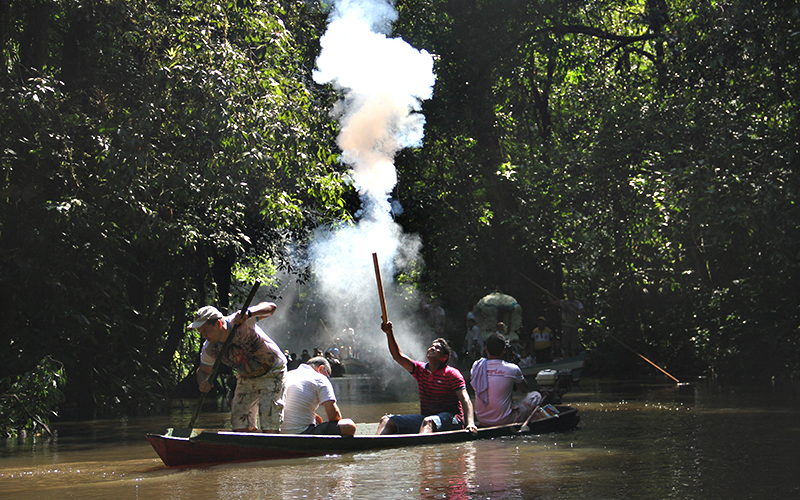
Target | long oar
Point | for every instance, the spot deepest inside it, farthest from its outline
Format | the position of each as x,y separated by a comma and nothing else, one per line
540,287
384,316
333,340
658,367
524,427
217,362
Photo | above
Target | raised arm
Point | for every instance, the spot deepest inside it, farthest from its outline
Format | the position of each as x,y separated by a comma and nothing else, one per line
259,311
394,349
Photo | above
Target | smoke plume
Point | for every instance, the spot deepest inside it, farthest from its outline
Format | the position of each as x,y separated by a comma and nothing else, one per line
382,82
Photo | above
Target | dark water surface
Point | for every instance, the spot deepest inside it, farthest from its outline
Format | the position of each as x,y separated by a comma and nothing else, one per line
705,441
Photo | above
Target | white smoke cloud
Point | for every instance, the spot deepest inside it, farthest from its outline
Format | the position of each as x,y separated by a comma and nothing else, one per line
382,82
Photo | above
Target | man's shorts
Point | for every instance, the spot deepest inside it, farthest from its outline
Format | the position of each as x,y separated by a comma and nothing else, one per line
325,429
410,424
257,402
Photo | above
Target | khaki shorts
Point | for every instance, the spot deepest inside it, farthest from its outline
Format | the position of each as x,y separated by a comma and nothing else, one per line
256,403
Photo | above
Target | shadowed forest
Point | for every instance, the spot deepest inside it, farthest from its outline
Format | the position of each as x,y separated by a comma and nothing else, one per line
160,155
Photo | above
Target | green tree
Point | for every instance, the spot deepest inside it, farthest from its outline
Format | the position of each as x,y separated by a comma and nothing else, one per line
150,148
643,152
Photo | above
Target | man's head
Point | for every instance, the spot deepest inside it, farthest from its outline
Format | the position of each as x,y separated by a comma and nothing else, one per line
318,361
204,315
208,323
439,351
496,344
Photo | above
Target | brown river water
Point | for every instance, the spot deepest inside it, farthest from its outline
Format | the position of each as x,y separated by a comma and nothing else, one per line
635,440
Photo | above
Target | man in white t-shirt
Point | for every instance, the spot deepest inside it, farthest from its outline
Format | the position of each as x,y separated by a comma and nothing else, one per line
493,380
308,387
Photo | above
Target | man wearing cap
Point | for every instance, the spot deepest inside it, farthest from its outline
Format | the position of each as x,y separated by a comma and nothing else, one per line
259,364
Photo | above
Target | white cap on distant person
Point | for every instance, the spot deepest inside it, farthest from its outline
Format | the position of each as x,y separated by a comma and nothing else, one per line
204,314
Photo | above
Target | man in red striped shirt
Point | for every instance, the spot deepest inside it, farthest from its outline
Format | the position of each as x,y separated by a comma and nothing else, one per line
443,398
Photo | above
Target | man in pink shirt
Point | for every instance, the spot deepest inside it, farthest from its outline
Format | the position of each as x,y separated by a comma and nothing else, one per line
493,380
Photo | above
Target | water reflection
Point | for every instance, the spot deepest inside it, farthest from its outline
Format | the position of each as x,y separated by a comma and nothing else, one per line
634,441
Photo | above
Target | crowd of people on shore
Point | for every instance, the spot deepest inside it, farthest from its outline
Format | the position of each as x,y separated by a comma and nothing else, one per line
332,355
278,391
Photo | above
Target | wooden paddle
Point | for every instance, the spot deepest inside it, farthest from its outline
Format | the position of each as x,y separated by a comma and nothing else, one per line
540,287
524,427
225,346
636,353
384,316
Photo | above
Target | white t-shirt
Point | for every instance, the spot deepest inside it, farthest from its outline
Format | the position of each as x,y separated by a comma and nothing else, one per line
305,389
502,378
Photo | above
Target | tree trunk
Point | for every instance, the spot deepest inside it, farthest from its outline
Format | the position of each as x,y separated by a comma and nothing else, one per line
35,42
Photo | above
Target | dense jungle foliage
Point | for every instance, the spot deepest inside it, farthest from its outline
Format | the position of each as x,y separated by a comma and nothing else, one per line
642,152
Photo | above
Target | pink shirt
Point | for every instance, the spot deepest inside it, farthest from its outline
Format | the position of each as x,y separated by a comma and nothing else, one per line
502,378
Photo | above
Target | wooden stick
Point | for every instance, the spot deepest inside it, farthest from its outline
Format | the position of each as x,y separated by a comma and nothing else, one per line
524,427
333,339
326,330
540,286
384,316
659,368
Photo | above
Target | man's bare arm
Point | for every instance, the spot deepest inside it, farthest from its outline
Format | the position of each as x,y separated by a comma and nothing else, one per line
394,349
332,411
466,405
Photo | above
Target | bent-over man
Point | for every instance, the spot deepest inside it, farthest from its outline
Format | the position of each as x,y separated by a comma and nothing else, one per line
257,360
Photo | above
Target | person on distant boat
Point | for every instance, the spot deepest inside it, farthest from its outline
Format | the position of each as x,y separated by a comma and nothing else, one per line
307,388
259,363
443,399
493,380
542,341
571,310
337,368
294,361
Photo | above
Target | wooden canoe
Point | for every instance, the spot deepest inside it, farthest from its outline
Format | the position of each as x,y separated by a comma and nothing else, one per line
212,447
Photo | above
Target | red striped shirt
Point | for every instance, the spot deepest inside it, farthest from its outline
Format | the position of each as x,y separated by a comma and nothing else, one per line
437,390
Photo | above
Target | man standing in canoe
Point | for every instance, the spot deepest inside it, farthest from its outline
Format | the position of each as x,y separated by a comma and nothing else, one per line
259,364
308,387
443,398
493,380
